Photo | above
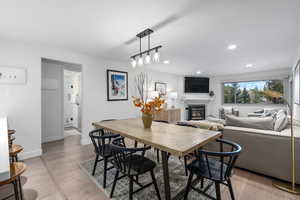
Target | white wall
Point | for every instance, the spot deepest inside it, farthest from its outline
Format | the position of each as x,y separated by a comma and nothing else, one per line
297,107
216,86
22,103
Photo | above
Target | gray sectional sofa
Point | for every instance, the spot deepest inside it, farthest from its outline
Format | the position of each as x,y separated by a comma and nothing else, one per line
265,151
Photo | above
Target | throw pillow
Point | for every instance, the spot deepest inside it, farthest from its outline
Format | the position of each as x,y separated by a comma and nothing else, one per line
281,121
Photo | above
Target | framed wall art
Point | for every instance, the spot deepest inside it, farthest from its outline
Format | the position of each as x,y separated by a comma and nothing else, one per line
161,88
117,85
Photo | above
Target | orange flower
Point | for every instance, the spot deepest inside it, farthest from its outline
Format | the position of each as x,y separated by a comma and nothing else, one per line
149,107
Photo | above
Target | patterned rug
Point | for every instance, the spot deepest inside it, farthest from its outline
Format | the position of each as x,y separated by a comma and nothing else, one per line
178,181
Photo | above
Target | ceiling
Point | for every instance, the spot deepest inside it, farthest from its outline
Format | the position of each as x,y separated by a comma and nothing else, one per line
194,33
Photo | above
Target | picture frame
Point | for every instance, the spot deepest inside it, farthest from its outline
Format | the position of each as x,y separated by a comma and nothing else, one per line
297,83
161,88
117,85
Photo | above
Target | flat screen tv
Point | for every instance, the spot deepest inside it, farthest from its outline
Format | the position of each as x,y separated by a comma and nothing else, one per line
196,85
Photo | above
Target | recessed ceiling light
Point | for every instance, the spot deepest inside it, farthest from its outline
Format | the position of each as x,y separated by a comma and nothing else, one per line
198,72
249,65
232,47
166,62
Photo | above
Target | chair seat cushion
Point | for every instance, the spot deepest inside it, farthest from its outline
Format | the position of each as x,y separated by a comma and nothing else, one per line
201,169
139,164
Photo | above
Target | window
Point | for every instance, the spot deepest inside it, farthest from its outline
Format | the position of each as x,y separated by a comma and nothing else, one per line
253,92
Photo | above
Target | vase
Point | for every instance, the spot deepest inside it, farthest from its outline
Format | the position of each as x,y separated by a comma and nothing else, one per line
147,120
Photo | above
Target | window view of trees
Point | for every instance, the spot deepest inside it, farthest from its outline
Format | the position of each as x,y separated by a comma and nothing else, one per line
253,92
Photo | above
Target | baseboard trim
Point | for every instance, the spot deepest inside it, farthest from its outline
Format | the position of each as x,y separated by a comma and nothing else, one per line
30,154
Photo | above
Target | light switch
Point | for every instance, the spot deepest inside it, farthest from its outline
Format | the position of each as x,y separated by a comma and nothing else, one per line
12,75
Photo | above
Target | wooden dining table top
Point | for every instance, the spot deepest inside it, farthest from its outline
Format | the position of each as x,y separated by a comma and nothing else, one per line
171,138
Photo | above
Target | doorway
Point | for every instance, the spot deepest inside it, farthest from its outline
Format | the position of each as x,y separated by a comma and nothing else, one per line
61,100
72,103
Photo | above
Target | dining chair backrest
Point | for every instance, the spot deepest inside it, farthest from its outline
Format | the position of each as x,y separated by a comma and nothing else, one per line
226,157
123,156
100,138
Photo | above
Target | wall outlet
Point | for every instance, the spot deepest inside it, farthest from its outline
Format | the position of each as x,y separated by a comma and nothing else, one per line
12,75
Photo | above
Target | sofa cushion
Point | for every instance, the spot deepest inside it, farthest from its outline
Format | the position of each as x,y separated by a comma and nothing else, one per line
281,121
264,123
216,120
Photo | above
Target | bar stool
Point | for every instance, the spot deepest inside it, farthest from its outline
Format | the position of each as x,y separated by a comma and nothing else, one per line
14,150
11,138
16,170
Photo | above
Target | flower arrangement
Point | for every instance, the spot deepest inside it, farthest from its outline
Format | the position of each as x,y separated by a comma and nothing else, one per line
147,107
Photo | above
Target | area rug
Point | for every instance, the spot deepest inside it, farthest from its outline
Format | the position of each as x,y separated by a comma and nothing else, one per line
178,181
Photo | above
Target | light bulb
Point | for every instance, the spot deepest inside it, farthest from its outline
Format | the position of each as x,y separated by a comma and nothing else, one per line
147,59
156,56
133,62
140,61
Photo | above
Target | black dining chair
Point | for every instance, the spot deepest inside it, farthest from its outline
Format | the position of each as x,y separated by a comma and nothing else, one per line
131,164
214,166
101,140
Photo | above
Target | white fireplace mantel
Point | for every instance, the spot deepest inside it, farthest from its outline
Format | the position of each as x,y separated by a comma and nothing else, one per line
202,100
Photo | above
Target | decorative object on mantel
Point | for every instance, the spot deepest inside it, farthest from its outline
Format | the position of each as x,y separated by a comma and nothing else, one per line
297,83
117,85
138,58
147,107
211,93
288,187
161,88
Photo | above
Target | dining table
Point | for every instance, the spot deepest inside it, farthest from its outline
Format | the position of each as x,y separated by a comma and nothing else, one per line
170,139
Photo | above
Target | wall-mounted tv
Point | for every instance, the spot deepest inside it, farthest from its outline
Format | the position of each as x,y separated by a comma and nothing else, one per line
196,85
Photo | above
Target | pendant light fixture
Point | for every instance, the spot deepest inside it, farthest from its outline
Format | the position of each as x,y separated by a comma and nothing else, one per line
148,57
140,61
133,62
156,56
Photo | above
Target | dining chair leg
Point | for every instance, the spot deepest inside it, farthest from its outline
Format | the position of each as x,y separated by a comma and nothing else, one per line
155,184
130,187
114,184
157,155
218,191
95,165
185,165
105,172
15,184
230,189
188,186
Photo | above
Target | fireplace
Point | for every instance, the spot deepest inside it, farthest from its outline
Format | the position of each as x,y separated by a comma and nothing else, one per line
196,112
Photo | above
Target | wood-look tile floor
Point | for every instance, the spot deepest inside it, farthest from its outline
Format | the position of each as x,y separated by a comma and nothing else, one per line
56,176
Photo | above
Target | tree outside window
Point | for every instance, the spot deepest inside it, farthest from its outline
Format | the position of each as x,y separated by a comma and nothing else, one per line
253,92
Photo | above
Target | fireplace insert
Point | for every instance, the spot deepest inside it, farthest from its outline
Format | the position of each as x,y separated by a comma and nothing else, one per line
196,112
